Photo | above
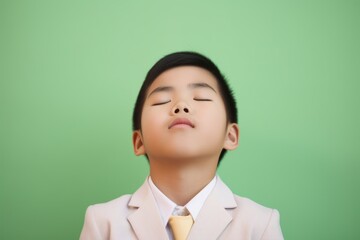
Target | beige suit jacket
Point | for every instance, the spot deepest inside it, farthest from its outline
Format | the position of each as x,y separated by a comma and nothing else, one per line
223,216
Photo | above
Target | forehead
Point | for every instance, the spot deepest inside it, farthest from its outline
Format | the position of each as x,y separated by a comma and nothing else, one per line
182,76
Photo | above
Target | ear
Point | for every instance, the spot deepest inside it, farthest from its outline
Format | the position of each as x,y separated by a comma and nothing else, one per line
138,144
232,137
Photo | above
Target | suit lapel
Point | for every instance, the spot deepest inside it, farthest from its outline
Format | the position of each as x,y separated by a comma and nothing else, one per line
214,216
146,220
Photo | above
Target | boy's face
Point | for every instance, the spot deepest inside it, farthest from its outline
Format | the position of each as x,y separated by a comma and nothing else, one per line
184,117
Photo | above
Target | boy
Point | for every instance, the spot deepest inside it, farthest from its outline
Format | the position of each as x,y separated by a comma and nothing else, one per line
184,121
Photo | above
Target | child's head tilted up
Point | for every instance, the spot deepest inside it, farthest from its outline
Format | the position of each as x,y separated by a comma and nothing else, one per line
185,110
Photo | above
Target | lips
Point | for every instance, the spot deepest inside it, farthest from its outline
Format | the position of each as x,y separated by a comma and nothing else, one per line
181,121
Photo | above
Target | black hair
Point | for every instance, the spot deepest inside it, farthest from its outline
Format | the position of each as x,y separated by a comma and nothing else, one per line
186,58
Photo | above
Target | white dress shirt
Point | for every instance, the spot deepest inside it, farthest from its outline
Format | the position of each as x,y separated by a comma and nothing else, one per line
168,207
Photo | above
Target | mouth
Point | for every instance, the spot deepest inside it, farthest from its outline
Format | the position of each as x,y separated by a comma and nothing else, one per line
181,122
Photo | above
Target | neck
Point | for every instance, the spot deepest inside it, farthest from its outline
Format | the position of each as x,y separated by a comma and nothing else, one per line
181,182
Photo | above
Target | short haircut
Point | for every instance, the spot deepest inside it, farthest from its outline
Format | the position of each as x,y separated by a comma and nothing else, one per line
179,59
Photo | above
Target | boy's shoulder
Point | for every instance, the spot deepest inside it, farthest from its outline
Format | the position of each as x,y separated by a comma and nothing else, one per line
248,205
106,210
120,204
259,218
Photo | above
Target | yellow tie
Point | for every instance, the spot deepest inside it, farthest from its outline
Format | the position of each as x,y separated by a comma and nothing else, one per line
180,226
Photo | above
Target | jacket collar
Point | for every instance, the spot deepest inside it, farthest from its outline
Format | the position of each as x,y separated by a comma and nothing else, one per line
146,220
147,223
214,216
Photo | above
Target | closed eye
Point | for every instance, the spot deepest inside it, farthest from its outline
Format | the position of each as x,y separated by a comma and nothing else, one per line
160,103
202,99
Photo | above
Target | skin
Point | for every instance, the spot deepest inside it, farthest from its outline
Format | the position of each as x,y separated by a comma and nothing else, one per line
183,130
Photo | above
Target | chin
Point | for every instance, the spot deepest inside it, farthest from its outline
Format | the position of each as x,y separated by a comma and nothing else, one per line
183,153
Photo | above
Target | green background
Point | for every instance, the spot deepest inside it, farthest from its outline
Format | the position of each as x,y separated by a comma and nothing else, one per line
71,70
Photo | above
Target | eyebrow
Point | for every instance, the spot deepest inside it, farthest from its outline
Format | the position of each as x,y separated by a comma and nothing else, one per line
161,89
201,85
191,85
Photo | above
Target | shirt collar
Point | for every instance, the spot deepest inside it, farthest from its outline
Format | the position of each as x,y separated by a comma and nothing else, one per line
167,207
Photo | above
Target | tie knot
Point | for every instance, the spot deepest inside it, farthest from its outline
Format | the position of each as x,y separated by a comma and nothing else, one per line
180,226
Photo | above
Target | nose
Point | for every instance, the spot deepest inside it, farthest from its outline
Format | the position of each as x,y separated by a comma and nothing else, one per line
181,107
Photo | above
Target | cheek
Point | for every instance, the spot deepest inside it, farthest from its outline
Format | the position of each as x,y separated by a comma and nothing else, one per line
151,122
216,116
214,123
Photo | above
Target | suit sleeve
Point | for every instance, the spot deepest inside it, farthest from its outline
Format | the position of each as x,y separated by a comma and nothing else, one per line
273,229
90,229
